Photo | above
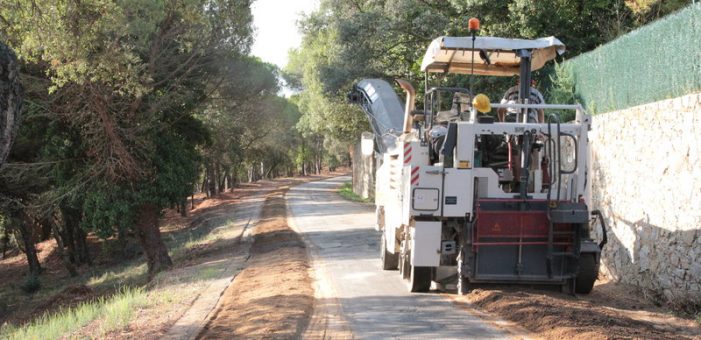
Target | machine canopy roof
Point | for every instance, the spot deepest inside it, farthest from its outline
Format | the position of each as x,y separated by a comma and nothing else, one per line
454,54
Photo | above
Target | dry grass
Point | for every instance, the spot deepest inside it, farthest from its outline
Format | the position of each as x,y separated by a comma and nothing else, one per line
115,312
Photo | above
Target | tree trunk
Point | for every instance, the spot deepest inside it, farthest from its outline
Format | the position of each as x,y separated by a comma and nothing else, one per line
203,188
10,100
150,237
81,242
62,252
211,182
45,227
271,171
183,207
122,243
5,241
66,235
215,179
74,237
30,250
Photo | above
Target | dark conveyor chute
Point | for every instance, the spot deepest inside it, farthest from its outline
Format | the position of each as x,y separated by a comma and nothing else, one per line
383,108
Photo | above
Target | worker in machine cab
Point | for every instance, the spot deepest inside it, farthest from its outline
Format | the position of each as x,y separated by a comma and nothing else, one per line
438,132
459,109
512,114
461,105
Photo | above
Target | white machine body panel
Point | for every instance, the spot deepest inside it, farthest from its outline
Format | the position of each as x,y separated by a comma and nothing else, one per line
422,191
390,198
457,196
426,244
413,153
381,183
571,186
426,199
435,191
391,180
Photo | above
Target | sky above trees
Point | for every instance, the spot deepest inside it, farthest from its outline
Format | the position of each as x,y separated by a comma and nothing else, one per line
276,29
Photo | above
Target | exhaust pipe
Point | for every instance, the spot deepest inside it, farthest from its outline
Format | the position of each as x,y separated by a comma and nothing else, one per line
410,103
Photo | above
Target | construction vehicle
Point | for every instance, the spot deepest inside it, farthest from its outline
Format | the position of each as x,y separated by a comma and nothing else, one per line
463,199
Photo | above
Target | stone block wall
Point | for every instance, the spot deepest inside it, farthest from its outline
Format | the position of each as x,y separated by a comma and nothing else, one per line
646,163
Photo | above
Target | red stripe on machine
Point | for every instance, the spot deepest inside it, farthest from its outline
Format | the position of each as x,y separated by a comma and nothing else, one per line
407,153
415,179
414,171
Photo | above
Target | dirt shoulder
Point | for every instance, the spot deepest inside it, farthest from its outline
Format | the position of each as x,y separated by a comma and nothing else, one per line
273,296
611,311
202,246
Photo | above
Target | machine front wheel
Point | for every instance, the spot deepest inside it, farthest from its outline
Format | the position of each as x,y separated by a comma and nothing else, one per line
420,279
389,260
588,271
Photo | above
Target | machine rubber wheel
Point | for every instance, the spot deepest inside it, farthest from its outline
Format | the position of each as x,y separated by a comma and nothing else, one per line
588,271
389,260
420,279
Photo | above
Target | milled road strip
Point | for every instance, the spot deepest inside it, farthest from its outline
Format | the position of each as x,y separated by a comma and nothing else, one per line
327,320
196,317
362,298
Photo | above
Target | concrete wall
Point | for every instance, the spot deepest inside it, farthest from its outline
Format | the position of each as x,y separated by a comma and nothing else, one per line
647,182
363,173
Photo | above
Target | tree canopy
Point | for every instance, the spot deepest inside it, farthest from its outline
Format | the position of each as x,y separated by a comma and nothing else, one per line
345,41
130,107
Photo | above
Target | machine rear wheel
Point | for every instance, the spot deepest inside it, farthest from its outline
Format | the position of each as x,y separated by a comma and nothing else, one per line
389,260
588,271
420,279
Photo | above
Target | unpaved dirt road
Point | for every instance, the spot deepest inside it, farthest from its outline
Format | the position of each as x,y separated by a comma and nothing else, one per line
355,297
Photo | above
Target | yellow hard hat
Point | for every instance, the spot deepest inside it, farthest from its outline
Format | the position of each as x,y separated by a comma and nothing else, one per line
481,103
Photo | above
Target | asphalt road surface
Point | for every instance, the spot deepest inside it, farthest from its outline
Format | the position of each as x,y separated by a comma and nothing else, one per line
356,296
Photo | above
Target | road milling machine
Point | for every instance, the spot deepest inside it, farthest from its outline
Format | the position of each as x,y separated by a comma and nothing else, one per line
463,198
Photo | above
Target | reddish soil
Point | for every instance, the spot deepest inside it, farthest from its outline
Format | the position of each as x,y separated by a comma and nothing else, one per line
611,311
59,290
273,297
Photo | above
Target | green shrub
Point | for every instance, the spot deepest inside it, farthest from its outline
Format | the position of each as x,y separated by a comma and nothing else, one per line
346,192
562,89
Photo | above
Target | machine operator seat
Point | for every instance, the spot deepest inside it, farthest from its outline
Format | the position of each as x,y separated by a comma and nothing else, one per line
439,131
459,110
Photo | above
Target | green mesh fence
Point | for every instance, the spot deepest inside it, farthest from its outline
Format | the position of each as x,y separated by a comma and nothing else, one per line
659,61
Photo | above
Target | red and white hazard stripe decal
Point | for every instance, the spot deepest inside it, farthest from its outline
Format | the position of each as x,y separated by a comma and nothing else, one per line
407,153
415,176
